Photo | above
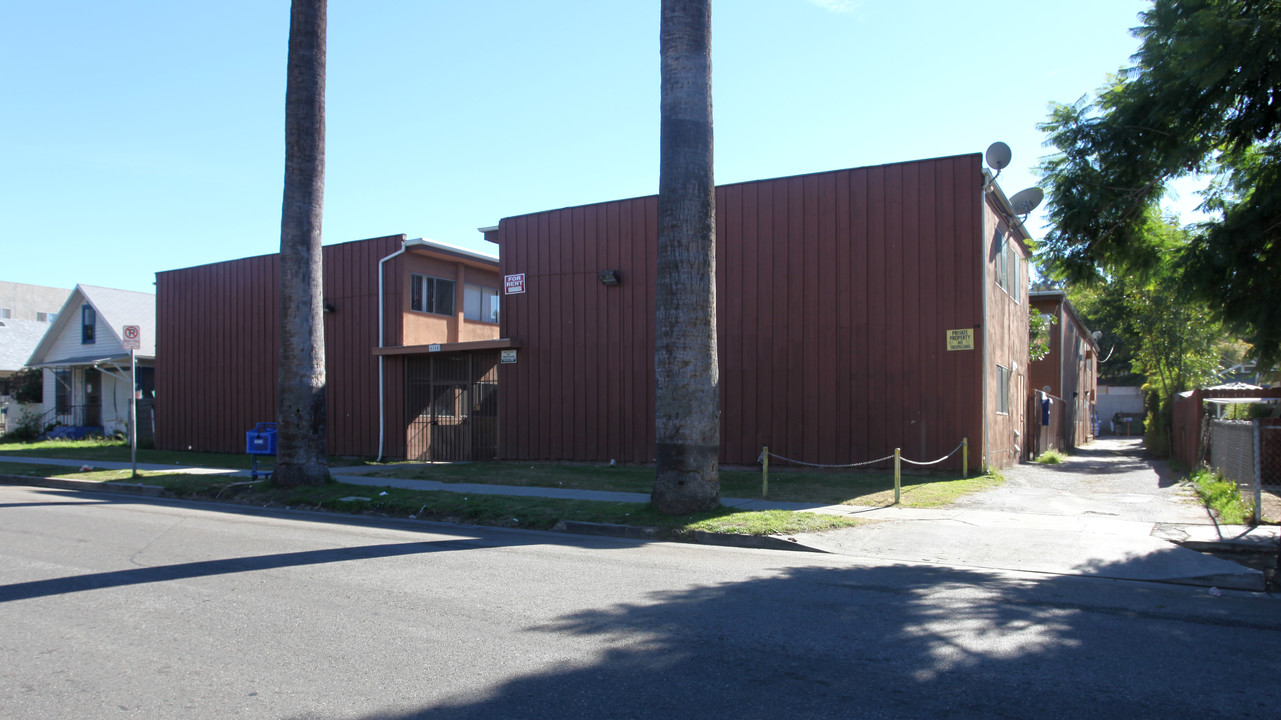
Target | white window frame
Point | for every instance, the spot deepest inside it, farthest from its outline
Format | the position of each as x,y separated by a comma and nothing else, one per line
1002,390
486,310
428,291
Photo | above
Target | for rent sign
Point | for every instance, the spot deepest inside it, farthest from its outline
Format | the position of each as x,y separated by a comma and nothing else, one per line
514,284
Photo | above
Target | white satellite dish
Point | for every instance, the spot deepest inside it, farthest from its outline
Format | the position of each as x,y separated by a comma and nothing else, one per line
1025,201
998,155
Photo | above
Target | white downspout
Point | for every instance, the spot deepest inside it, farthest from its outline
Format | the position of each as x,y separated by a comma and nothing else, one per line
382,392
987,440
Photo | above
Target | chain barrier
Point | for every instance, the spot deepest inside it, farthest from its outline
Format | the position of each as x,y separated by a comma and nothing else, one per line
955,450
817,465
776,456
963,448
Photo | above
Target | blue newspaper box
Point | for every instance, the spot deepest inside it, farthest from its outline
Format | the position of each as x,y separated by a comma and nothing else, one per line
261,440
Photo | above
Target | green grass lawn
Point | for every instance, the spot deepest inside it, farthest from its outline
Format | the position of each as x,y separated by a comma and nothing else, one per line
856,488
118,451
828,487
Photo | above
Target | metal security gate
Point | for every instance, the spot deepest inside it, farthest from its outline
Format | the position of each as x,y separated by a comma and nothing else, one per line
452,403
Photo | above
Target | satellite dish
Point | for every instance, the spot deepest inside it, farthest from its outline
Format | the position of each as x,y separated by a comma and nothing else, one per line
1025,201
998,155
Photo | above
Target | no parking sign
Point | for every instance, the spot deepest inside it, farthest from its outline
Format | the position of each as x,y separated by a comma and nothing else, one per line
132,338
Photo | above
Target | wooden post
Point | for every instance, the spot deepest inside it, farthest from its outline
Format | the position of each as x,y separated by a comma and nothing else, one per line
765,471
898,483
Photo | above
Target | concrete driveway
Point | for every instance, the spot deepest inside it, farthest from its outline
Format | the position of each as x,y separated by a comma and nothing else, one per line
1108,511
1109,478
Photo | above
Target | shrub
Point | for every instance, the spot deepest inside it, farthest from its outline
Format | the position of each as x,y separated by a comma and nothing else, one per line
1050,457
1223,497
27,386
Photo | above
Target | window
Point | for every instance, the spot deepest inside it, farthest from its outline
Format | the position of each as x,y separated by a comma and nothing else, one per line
432,294
6,313
46,317
1002,390
88,325
1002,260
1008,266
1015,267
62,391
445,400
480,303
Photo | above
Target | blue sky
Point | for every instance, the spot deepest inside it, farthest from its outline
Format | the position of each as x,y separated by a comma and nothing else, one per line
140,136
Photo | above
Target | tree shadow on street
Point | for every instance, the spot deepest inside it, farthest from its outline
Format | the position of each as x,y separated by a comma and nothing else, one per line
903,641
205,568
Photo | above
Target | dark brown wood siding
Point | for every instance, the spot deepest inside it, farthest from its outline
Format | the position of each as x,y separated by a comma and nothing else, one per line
1006,338
835,292
217,349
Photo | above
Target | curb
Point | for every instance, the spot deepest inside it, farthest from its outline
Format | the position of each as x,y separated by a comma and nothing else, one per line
1249,582
573,527
759,542
83,485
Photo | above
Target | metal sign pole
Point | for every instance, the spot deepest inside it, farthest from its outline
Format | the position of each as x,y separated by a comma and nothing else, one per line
133,411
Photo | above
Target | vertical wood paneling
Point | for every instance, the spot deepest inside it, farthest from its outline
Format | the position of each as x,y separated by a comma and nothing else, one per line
751,385
826,311
861,354
834,295
651,267
557,293
932,328
846,287
878,357
607,227
729,308
220,330
895,317
914,441
580,354
794,311
810,316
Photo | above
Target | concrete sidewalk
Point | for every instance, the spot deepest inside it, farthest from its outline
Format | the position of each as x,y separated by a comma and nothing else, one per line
1086,544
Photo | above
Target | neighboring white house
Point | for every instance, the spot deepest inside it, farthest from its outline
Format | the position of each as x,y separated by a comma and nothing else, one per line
25,314
86,367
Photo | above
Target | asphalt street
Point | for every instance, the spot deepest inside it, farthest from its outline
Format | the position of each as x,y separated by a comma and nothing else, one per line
115,606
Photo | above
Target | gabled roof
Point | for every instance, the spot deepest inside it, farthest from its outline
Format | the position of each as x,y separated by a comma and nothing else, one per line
17,339
114,309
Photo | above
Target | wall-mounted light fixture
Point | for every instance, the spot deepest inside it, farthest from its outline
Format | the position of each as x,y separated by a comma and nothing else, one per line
609,277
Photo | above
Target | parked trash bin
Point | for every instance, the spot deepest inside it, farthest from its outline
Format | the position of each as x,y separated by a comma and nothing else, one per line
260,441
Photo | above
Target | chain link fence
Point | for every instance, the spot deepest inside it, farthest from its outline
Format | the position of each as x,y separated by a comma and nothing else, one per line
1248,453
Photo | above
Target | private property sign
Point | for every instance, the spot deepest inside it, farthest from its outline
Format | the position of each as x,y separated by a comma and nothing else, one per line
514,284
960,339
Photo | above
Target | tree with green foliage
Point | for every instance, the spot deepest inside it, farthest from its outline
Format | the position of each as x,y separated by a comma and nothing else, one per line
1172,339
27,386
1203,100
687,385
1038,330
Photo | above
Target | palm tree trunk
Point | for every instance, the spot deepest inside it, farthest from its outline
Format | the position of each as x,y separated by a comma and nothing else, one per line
300,431
687,402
